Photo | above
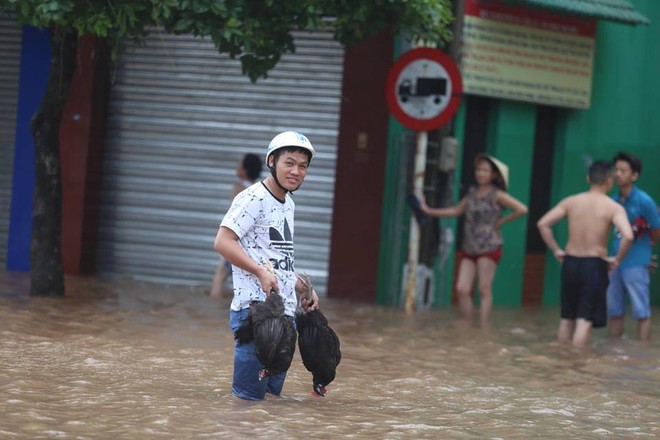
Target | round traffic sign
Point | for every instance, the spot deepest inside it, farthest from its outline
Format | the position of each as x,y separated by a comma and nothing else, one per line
424,89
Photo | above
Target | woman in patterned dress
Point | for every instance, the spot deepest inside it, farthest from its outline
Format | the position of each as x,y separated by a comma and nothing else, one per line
481,249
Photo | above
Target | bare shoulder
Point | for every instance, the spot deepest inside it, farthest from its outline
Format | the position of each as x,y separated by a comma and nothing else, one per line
600,204
580,202
593,197
507,200
609,203
501,196
617,208
570,200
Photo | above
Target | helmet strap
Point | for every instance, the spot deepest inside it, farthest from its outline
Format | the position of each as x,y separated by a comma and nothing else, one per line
274,174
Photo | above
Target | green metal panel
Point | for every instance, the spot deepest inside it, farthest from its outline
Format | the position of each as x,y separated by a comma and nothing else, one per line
395,221
511,139
623,116
613,10
560,182
395,216
443,271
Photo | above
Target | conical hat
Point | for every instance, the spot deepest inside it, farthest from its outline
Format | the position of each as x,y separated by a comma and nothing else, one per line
501,167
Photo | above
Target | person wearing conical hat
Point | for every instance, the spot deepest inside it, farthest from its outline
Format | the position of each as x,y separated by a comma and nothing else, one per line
481,251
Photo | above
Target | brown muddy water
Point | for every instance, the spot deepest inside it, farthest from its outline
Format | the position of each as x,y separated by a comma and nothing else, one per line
124,359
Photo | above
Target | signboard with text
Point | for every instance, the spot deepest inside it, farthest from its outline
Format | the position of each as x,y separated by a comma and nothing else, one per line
518,53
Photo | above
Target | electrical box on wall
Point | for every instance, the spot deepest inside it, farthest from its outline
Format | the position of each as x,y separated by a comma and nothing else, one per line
448,154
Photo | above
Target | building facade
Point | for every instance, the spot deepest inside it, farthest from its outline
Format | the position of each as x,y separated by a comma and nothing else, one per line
547,148
148,161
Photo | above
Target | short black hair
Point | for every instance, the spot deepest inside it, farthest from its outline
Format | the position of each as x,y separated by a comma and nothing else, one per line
633,161
292,149
600,171
252,166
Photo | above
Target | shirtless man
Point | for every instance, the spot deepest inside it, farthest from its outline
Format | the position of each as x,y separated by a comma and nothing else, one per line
585,264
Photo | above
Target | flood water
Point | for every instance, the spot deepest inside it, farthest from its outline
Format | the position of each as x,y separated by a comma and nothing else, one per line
124,359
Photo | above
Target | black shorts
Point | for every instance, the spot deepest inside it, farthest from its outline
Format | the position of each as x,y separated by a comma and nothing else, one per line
584,283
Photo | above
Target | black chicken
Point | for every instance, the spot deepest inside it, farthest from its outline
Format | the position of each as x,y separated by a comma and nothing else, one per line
273,334
318,343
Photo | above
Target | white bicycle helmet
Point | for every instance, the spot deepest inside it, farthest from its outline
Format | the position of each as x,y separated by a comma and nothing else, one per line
289,139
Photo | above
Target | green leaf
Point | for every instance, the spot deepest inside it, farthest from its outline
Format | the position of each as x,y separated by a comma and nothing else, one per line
261,27
25,8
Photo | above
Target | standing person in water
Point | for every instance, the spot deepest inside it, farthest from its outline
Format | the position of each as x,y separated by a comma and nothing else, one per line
584,272
481,251
631,280
248,172
258,232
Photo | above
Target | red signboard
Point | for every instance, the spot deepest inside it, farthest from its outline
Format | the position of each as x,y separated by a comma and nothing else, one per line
522,16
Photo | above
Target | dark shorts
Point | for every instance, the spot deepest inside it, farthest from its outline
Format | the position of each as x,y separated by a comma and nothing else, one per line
495,255
584,283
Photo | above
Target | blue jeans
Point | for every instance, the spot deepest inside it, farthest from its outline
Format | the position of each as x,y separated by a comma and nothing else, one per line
246,384
635,282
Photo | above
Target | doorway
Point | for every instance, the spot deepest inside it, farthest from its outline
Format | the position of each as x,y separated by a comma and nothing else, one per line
539,203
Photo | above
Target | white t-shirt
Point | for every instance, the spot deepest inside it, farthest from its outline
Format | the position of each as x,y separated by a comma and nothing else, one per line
264,226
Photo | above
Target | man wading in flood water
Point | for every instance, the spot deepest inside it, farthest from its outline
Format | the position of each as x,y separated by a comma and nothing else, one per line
585,265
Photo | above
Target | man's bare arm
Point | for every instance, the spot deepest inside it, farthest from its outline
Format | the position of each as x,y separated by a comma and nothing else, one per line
545,224
226,243
620,220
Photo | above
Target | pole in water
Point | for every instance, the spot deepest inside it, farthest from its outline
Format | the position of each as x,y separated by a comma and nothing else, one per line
413,241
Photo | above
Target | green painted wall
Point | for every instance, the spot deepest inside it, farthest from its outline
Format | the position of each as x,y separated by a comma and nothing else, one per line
443,270
624,115
395,223
511,139
395,227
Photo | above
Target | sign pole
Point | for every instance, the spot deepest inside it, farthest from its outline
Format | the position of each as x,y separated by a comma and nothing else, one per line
413,241
423,93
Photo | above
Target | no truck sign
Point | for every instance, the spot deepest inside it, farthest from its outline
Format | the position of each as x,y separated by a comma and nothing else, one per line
424,89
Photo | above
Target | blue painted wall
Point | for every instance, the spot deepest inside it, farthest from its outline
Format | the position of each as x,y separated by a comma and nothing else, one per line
34,68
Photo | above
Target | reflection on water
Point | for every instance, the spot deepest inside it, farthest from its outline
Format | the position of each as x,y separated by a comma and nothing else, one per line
125,359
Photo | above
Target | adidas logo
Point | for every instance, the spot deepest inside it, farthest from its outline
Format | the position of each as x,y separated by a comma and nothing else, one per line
284,245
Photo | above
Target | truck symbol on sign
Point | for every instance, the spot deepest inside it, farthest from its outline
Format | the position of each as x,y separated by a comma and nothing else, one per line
423,87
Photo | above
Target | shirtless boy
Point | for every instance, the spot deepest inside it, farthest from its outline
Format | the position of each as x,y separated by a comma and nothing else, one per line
585,264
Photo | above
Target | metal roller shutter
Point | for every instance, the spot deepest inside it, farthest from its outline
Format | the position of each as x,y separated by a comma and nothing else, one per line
181,116
10,53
